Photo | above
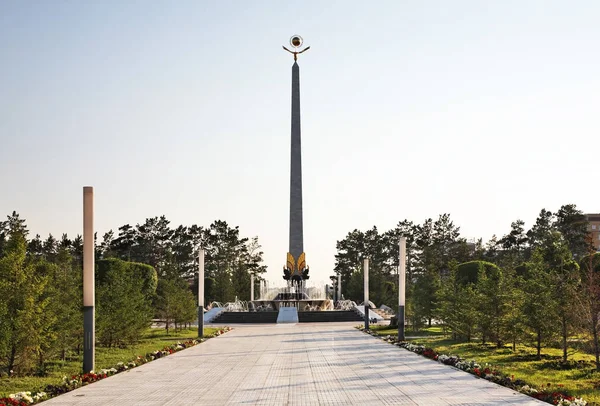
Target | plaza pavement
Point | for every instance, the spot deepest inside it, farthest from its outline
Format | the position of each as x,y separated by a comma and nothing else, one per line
299,364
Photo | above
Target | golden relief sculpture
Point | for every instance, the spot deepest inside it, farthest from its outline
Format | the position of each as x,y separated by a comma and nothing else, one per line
291,262
301,264
293,267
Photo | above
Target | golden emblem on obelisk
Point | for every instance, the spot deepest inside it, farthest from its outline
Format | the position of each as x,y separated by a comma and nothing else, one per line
296,42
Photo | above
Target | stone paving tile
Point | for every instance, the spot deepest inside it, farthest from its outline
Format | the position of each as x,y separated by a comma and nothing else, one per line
295,365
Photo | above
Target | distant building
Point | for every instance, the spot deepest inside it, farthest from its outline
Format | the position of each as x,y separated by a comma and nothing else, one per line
472,246
594,228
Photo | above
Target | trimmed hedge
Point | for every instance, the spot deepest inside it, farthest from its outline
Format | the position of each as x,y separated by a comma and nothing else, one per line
468,272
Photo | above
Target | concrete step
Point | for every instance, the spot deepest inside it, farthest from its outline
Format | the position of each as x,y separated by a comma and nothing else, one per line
271,317
382,313
245,317
328,316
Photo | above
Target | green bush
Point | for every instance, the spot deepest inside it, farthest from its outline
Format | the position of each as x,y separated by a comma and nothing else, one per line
148,275
175,303
468,272
145,273
123,301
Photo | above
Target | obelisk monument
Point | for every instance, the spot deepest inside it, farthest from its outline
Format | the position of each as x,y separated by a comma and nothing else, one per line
296,263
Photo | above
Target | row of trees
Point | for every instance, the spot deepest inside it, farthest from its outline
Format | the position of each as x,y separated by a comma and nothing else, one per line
540,285
144,272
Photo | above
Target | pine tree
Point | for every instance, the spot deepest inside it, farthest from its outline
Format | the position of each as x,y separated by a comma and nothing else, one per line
539,307
542,228
105,248
492,303
563,277
3,237
457,305
21,291
512,323
66,290
123,308
589,300
572,224
514,244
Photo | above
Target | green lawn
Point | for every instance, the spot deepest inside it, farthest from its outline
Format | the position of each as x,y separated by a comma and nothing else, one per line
154,339
523,363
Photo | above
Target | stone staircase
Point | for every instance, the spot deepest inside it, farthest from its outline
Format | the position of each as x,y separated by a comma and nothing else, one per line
271,317
385,315
325,316
246,317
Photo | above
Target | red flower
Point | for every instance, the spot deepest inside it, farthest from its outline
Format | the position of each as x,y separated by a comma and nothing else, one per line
11,402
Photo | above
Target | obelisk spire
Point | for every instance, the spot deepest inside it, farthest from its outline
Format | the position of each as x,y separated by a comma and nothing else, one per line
296,246
296,268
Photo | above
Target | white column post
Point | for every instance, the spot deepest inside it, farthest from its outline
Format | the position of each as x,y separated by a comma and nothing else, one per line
89,325
366,288
201,293
252,287
401,288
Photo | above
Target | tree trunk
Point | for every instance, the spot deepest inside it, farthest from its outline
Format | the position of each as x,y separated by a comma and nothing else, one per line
596,345
498,340
514,344
41,363
539,344
11,359
564,337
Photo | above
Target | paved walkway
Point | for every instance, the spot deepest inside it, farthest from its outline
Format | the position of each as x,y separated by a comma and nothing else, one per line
302,364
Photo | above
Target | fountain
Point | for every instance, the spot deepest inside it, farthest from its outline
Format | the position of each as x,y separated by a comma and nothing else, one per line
308,304
294,294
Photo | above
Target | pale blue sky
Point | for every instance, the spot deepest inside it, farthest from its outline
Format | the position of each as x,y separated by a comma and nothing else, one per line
486,110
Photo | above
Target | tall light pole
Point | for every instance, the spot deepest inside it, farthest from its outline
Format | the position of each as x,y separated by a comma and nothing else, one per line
366,272
201,293
89,325
401,288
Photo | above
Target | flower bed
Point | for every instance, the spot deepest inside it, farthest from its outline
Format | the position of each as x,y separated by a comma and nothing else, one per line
77,381
547,394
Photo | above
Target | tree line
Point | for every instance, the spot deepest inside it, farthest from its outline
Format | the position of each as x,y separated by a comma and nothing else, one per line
539,286
142,272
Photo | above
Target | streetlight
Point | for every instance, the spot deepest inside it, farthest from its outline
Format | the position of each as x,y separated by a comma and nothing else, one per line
201,293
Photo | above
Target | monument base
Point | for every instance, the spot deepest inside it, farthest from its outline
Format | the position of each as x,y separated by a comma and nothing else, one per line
272,316
287,315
